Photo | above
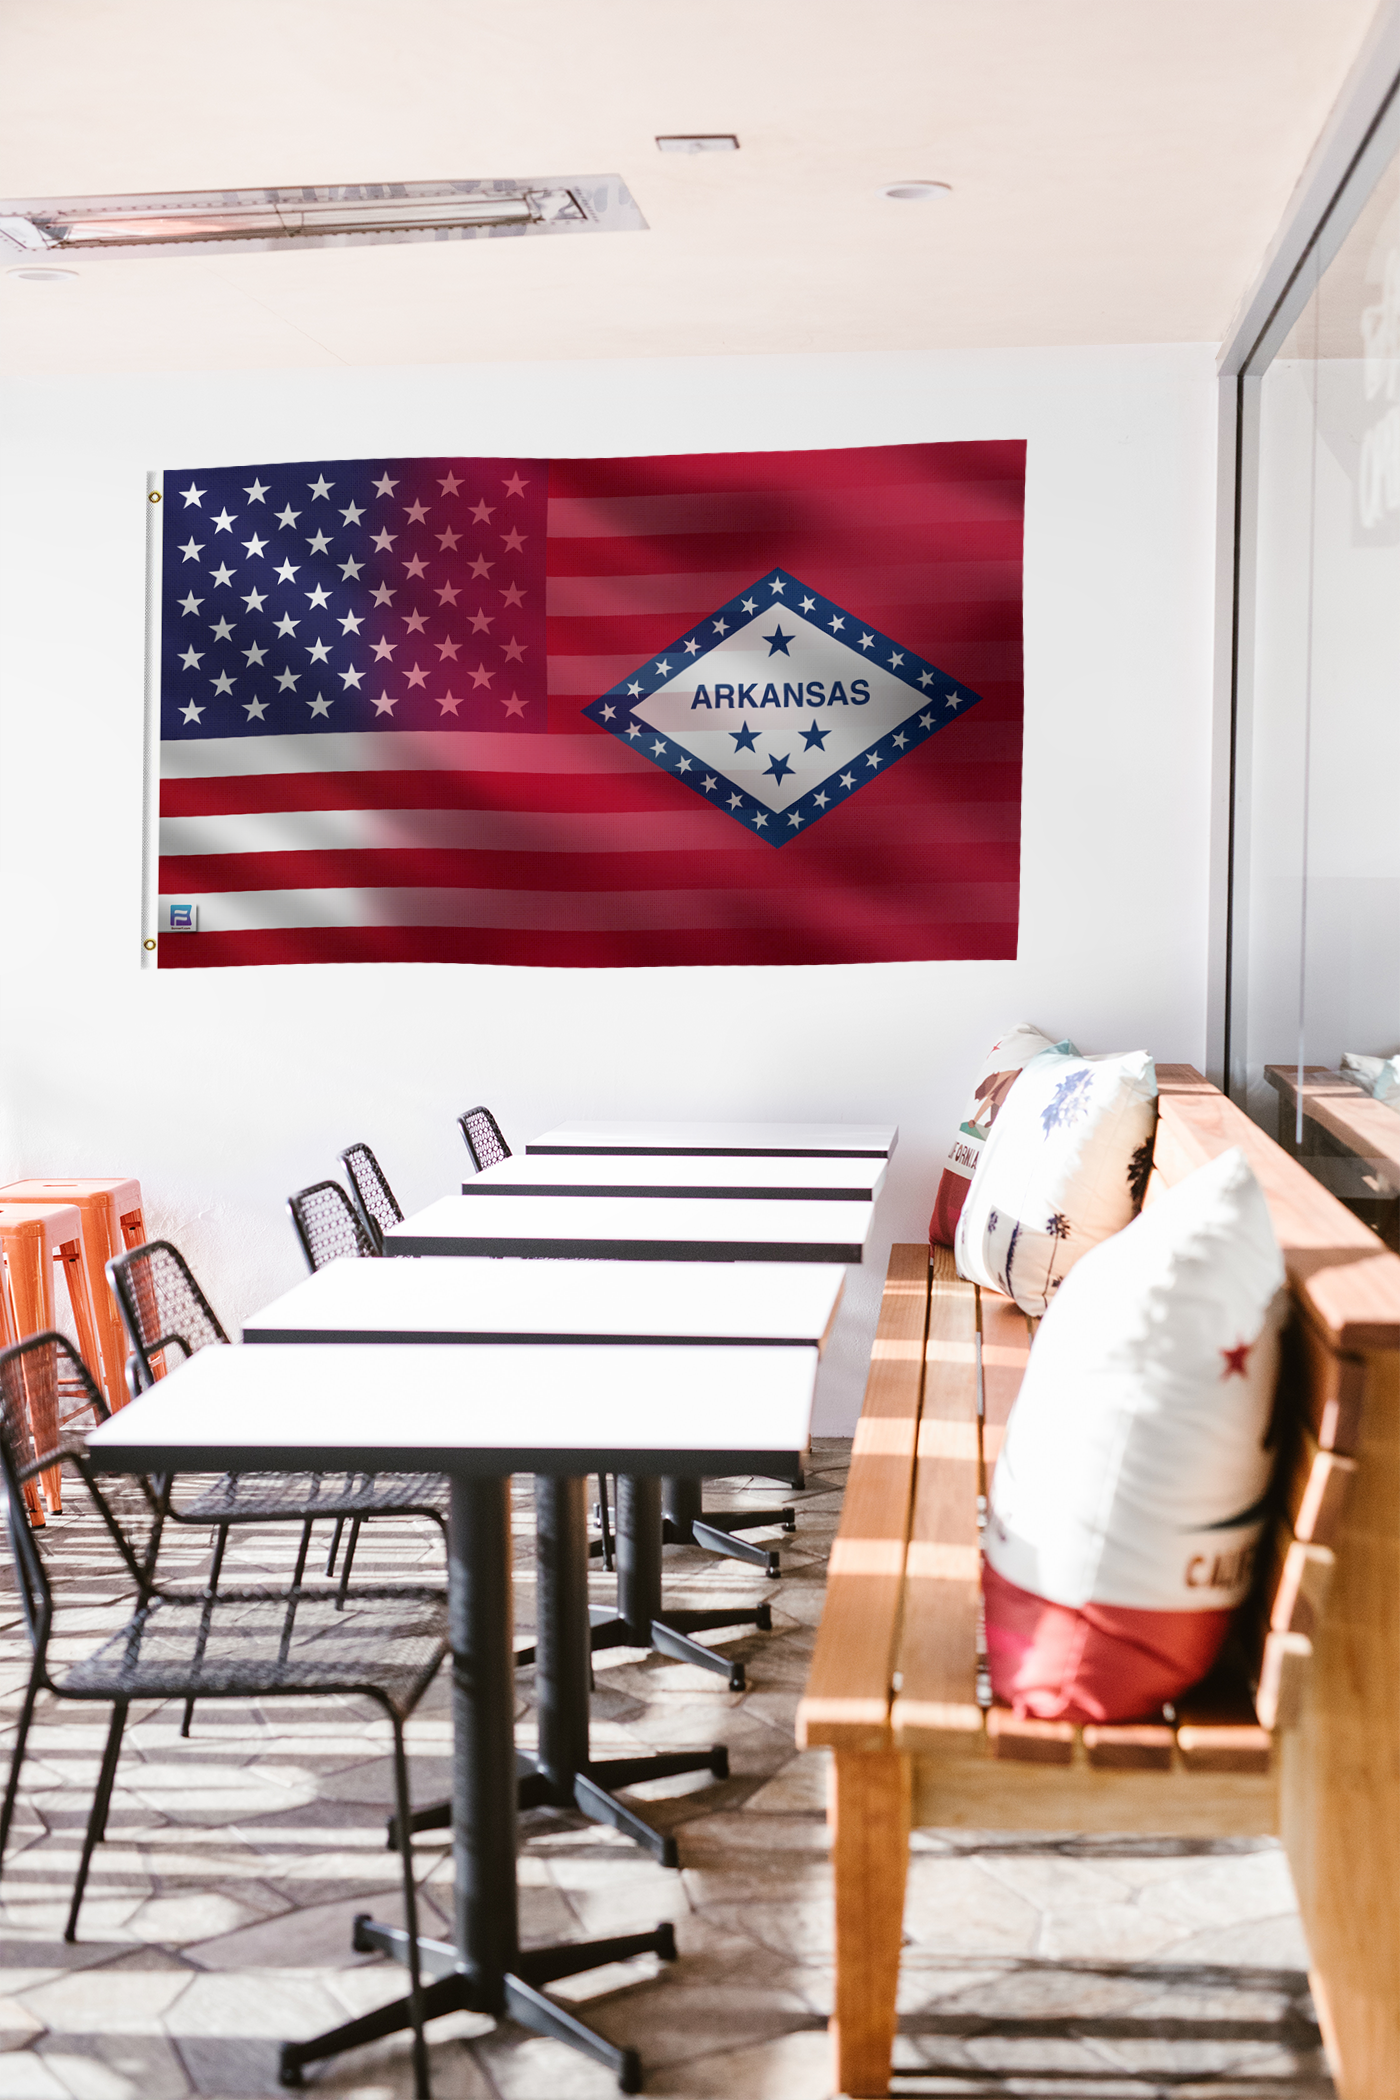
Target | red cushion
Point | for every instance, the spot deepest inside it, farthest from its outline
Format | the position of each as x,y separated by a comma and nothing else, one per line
947,1206
1100,1662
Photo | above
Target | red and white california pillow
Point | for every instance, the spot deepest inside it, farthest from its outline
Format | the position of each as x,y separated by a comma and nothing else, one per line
1131,1491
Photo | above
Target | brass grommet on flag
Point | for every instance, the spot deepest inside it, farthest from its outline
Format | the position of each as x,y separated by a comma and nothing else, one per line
148,944
154,496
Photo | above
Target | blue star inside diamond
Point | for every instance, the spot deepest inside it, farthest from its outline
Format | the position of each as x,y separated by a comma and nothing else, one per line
778,766
814,737
744,739
778,641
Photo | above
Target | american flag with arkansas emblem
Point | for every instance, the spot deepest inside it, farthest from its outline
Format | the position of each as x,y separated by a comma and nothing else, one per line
724,709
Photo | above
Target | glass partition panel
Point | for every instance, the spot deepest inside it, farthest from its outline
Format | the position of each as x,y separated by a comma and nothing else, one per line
1317,907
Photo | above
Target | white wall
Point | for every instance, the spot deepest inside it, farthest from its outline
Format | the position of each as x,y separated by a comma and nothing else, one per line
224,1090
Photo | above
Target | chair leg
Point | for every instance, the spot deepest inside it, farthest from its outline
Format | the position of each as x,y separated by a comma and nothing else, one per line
26,1715
97,1821
335,1547
603,1524
350,1544
410,1915
215,1568
300,1569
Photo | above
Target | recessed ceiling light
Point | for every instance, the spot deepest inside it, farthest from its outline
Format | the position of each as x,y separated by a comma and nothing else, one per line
916,192
38,276
348,214
697,142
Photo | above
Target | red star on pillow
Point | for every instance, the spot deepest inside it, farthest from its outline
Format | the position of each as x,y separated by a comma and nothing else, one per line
1235,1360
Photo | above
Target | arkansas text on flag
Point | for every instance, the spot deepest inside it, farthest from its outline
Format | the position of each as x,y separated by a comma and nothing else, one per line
759,708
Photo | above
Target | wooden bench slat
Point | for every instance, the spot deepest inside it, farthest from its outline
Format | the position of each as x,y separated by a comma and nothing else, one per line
1304,1578
1019,1740
1147,1747
1283,1679
1322,1385
1316,1490
846,1703
1217,1729
937,1664
1006,1348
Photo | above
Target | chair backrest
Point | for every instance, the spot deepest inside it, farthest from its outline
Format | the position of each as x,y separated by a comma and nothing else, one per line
23,1368
31,1375
379,1206
161,1305
482,1135
326,1224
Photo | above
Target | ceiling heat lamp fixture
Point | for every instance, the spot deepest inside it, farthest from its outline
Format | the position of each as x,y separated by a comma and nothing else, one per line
356,215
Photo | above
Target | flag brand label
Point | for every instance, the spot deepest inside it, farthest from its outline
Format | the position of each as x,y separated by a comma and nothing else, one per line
779,706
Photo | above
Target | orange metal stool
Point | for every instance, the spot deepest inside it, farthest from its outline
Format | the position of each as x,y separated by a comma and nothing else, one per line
112,1224
32,1237
9,1335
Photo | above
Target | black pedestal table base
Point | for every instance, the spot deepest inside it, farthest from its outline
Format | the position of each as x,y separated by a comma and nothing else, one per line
448,1988
483,1968
686,1522
563,1773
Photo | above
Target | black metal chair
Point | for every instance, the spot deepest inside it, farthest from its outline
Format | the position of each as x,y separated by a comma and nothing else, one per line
56,1391
330,1230
328,1225
481,1134
379,1206
210,1644
163,1310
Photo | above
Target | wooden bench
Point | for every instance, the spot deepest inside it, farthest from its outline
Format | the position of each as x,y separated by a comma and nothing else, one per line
1357,1135
1299,1734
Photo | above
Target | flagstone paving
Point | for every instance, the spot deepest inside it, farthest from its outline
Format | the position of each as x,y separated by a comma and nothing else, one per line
217,1922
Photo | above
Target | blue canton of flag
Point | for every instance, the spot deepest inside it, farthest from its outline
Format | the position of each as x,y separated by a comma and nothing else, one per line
355,595
780,705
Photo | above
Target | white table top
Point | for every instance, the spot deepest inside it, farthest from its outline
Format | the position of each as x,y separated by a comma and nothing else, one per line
735,1140
637,1228
796,1180
451,1299
488,1411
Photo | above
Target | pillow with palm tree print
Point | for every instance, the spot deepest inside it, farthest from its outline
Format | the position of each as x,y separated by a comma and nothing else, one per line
1065,1164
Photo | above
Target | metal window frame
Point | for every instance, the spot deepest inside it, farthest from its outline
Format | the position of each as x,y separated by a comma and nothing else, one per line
1357,144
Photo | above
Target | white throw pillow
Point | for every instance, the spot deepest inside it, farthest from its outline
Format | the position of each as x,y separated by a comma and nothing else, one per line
1134,1468
1379,1075
1065,1164
996,1076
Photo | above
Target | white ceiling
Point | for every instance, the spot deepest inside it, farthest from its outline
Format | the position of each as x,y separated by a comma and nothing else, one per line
1117,170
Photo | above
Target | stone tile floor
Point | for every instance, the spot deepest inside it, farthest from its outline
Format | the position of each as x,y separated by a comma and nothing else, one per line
217,1921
